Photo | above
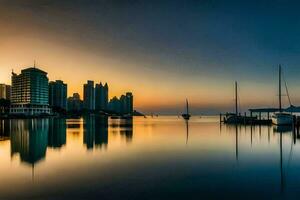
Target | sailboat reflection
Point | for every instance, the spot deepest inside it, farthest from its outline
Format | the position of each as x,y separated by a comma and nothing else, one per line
282,129
187,131
236,143
234,129
282,179
282,175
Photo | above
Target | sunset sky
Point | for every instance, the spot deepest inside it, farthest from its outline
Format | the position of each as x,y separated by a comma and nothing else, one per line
163,51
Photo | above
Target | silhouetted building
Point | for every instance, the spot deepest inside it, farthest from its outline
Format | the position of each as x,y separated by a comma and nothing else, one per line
101,96
74,103
58,95
123,106
8,92
129,103
5,91
30,92
29,139
89,96
2,91
57,132
114,105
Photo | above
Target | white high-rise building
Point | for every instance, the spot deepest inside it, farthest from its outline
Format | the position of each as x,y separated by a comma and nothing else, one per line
30,92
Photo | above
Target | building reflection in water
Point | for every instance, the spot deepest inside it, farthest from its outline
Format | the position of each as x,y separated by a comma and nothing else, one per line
73,126
89,131
29,139
101,131
57,132
4,129
95,131
126,128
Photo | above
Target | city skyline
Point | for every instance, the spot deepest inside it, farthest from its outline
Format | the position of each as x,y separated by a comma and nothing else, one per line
158,55
32,94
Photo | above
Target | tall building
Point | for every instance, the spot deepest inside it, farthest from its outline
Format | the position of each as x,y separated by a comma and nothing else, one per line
89,95
129,103
5,91
122,106
58,95
74,103
101,96
114,105
30,92
2,91
8,91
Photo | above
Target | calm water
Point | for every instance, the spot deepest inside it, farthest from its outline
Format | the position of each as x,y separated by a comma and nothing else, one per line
153,158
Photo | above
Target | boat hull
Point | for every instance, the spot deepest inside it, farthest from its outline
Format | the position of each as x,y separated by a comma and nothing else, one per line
186,116
282,119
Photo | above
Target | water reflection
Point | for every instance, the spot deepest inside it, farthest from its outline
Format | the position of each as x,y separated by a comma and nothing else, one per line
95,131
89,131
290,133
187,131
57,132
237,161
236,143
101,135
126,128
4,130
29,139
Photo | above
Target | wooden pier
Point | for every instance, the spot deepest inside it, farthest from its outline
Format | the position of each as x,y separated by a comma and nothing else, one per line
255,120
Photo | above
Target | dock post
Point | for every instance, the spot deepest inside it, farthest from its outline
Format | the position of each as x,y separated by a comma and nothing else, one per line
244,117
259,116
268,115
220,117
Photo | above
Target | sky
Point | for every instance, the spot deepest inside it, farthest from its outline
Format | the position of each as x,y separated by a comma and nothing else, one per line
163,51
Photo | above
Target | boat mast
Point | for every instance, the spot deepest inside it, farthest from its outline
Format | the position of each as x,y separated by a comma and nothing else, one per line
236,100
280,108
187,107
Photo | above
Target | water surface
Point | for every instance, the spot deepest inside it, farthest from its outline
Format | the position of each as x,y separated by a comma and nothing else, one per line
153,158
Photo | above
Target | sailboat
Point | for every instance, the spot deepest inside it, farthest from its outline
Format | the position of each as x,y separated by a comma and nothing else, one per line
236,118
233,118
280,117
186,115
